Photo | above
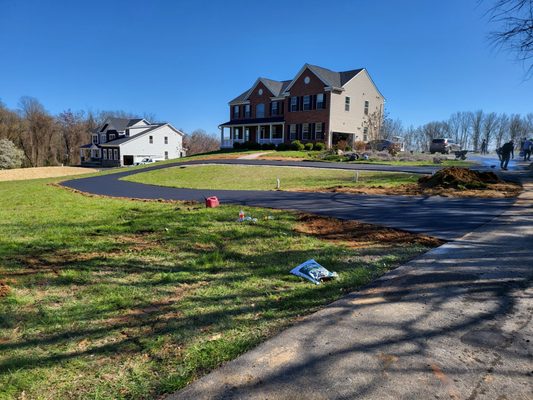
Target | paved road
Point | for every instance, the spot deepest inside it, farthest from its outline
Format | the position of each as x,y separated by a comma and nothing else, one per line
441,217
455,323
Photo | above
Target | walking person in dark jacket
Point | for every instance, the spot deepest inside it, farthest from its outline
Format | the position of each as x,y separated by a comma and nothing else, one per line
506,151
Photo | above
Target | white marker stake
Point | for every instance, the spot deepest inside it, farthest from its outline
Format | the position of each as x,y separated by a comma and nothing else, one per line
278,183
356,176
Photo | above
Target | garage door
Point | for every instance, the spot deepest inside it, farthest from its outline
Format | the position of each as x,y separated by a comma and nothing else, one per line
128,160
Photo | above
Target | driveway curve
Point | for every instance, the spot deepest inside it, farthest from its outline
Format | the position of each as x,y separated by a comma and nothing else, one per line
442,217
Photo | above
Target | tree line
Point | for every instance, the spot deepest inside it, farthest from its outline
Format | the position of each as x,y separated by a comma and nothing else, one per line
466,128
44,139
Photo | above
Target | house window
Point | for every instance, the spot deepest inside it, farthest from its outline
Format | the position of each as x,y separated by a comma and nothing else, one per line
277,132
292,131
166,155
95,153
320,100
263,134
246,134
307,103
294,103
365,134
347,104
115,153
235,111
102,138
247,111
260,111
112,136
366,107
95,139
151,139
305,132
105,154
275,108
166,139
319,131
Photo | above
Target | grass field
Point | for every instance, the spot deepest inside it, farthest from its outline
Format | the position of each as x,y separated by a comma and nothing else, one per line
109,299
264,178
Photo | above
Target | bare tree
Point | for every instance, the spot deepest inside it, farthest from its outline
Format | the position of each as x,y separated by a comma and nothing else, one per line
489,126
199,141
515,32
517,128
502,130
477,118
74,130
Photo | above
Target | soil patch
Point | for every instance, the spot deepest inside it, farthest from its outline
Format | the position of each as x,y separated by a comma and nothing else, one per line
459,178
4,289
357,234
19,174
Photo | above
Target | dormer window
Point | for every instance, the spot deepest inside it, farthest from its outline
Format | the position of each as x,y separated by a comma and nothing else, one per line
95,139
112,136
102,138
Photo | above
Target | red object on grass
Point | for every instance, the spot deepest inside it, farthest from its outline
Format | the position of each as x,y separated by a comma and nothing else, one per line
212,202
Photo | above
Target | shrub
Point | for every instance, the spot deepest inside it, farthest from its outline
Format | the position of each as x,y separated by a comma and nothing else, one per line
360,146
320,146
394,149
10,155
342,145
268,146
297,145
282,147
308,146
237,146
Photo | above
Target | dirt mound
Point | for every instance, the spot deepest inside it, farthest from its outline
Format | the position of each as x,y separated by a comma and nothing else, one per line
4,289
459,178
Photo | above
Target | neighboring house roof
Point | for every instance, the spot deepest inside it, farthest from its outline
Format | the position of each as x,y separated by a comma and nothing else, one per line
88,146
122,140
252,121
119,124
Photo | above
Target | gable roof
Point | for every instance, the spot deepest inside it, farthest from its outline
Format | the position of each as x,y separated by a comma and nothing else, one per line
123,140
330,78
275,87
119,124
278,88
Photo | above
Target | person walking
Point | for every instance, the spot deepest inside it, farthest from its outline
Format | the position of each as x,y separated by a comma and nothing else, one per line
526,148
484,147
506,151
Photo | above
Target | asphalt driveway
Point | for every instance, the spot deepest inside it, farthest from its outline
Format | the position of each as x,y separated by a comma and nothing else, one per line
445,218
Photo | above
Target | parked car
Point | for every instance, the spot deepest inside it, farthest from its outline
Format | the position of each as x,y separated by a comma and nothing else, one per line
144,161
444,146
378,145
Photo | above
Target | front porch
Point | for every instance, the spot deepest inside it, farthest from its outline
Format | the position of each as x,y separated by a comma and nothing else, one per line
260,133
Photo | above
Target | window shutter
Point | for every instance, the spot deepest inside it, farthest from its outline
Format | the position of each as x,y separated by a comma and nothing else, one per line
299,131
313,105
312,130
270,111
300,103
324,102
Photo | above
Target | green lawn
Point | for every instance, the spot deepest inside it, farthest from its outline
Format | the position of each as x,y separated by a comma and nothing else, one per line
108,299
264,178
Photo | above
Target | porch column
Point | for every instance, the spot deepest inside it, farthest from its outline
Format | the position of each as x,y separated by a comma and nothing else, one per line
270,133
231,132
221,136
258,134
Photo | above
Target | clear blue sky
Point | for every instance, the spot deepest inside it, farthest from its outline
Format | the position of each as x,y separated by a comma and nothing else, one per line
184,60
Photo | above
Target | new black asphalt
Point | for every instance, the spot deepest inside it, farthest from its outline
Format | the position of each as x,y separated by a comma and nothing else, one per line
442,217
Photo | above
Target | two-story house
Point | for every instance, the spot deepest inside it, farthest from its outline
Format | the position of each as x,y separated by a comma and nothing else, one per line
121,141
317,105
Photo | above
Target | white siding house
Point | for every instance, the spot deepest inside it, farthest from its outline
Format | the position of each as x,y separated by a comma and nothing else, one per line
119,142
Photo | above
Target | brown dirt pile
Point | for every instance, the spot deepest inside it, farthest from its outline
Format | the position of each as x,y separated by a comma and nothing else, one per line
459,178
356,234
4,289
